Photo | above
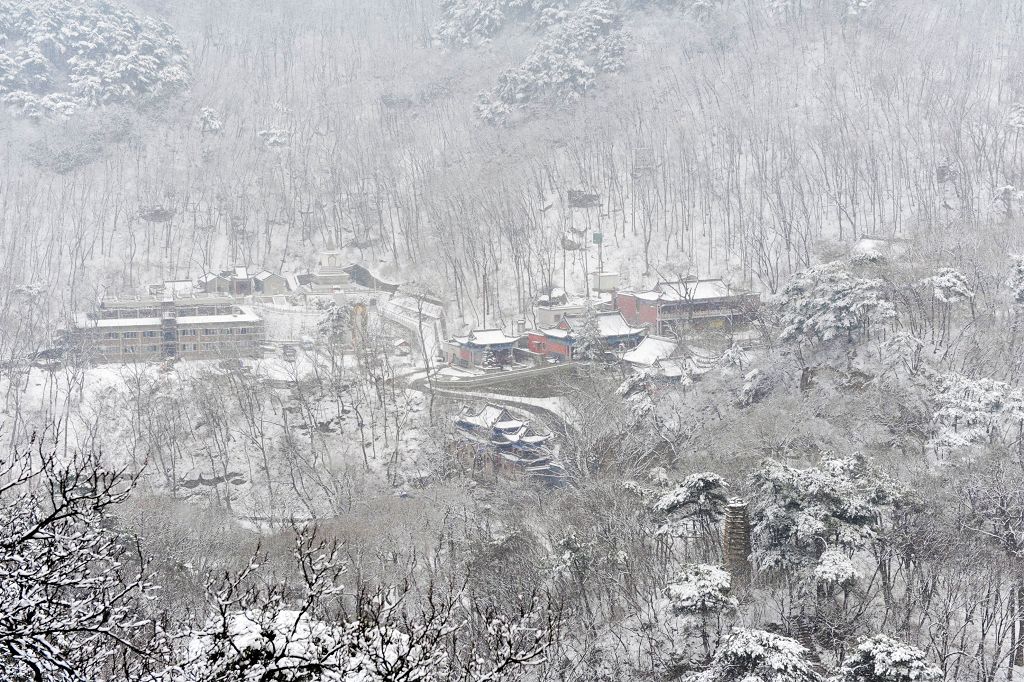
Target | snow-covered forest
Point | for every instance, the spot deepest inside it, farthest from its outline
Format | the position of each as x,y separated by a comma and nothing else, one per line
494,340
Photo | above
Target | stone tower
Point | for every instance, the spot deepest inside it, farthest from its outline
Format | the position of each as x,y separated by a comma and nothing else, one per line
736,542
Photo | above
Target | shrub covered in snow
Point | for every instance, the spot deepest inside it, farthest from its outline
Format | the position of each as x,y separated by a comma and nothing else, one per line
1017,278
974,411
291,646
701,590
950,286
884,659
835,568
700,494
757,656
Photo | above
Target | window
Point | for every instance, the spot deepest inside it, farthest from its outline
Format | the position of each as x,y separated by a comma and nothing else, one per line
245,330
149,333
186,332
111,335
152,349
227,331
131,335
209,332
130,350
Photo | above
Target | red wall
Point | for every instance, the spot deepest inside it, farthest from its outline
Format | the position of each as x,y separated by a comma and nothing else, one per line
636,311
556,347
626,304
647,312
535,342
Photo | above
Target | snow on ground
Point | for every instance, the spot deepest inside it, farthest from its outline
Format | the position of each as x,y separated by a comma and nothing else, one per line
289,323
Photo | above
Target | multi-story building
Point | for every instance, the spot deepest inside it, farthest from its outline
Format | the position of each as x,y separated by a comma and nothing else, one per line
149,329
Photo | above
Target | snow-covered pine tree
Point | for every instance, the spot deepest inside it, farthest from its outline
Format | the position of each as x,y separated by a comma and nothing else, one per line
587,342
799,514
950,286
828,302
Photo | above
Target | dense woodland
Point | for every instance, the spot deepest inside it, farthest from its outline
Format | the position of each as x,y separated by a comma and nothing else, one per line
200,524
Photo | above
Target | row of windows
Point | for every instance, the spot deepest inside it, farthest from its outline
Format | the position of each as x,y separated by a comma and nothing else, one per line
186,347
152,333
132,350
149,334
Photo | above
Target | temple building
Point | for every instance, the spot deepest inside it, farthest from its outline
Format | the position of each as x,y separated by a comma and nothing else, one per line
614,331
481,348
671,306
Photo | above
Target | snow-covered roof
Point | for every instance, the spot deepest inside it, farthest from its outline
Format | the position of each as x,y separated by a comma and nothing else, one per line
210,276
244,314
240,272
651,350
609,324
82,320
693,290
264,275
486,337
485,418
614,324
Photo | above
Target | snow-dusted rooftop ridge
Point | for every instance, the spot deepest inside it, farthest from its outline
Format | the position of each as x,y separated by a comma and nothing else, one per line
651,350
689,289
488,416
694,289
575,301
243,314
609,323
83,321
486,337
